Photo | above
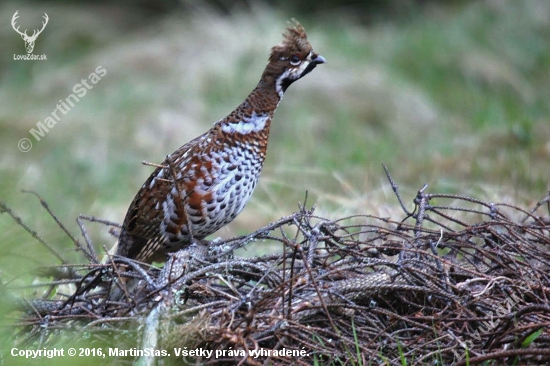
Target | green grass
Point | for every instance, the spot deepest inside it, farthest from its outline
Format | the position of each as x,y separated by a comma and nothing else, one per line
455,97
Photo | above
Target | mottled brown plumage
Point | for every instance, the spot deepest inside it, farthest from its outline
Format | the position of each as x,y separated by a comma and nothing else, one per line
206,183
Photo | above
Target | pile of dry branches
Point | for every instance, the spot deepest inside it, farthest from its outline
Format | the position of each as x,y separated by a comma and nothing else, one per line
461,281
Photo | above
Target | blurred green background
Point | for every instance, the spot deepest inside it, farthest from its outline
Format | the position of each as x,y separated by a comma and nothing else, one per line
453,94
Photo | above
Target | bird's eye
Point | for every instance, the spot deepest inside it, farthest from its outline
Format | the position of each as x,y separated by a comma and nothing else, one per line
295,60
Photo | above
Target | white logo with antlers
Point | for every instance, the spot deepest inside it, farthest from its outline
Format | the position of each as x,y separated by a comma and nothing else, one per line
29,40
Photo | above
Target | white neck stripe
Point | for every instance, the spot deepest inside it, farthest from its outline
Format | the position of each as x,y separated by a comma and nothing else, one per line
255,123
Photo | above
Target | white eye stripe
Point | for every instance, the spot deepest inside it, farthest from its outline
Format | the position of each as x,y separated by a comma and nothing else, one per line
297,61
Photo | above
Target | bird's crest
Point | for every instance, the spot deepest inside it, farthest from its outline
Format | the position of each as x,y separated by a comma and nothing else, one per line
294,42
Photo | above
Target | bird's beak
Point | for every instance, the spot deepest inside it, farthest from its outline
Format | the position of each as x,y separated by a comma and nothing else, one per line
318,59
315,60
